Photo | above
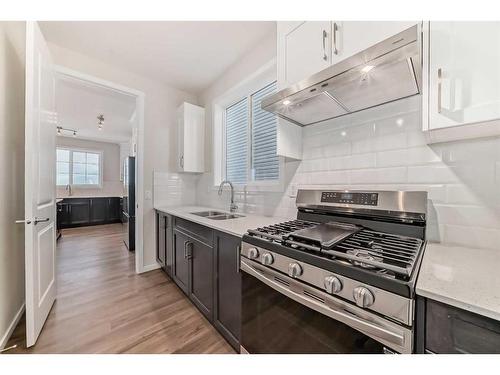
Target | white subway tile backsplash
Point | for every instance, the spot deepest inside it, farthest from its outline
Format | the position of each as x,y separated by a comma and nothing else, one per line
379,176
432,174
384,149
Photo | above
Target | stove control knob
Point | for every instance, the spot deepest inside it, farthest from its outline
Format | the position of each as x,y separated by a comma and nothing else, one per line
267,259
253,253
294,270
333,284
363,297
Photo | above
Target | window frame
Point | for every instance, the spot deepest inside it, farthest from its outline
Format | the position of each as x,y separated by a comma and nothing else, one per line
86,150
257,81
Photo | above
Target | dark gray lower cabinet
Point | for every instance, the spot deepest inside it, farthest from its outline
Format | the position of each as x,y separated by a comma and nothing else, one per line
98,210
181,261
205,265
201,288
227,306
161,236
77,212
445,329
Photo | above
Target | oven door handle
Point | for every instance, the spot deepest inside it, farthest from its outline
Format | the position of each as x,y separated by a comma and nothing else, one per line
390,334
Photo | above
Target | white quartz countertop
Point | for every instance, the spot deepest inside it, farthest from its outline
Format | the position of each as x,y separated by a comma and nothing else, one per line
462,277
237,227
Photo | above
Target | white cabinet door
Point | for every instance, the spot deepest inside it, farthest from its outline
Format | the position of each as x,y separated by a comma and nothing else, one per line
40,185
304,48
191,133
464,73
351,37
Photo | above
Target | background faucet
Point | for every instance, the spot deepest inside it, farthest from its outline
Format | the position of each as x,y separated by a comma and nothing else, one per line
233,207
68,188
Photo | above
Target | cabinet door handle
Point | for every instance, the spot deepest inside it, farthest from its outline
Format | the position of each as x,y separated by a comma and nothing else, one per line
190,250
325,35
335,30
238,254
439,89
181,161
185,249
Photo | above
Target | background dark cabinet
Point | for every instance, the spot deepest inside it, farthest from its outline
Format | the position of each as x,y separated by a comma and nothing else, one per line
76,212
63,215
98,210
227,309
79,212
113,212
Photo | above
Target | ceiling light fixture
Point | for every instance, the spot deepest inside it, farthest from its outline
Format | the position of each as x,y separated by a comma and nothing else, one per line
367,68
286,102
60,131
100,122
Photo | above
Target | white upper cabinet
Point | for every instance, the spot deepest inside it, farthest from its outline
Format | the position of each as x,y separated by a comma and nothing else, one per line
463,83
351,37
304,48
191,137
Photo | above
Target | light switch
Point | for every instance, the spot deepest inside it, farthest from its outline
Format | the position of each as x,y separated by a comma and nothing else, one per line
148,195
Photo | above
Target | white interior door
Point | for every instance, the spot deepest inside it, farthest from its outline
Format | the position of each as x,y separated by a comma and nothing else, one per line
40,191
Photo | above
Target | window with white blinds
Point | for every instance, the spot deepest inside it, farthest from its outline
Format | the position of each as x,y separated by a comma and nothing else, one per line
265,162
237,142
250,135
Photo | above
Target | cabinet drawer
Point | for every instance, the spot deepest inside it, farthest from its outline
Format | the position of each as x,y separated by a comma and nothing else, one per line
198,231
452,330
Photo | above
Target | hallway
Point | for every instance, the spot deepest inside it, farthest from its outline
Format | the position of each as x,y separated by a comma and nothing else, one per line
103,306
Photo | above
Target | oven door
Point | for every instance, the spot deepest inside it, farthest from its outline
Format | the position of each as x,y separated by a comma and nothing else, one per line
282,315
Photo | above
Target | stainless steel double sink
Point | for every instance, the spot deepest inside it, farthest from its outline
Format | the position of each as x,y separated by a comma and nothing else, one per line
216,215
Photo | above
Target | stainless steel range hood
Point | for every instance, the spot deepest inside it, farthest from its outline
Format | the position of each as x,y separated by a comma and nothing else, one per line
388,71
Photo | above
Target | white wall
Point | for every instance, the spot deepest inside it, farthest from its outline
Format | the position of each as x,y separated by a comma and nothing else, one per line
111,184
161,102
262,54
12,60
382,148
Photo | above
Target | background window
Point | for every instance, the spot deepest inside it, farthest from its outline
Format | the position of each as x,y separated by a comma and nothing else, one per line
77,167
250,135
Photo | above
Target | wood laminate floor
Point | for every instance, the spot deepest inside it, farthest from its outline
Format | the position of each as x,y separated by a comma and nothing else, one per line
103,306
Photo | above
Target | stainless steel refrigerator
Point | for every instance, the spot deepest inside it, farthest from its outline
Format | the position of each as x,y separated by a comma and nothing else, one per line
128,212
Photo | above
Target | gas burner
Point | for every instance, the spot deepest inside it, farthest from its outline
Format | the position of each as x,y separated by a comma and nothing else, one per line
364,255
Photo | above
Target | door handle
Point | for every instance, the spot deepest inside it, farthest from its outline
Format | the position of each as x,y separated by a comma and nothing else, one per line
181,161
190,250
37,220
439,89
185,249
325,34
335,30
238,255
23,221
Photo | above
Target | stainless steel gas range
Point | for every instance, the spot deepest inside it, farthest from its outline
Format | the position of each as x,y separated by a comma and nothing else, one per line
338,279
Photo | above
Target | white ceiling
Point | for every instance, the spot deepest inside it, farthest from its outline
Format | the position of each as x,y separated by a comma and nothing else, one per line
79,104
188,55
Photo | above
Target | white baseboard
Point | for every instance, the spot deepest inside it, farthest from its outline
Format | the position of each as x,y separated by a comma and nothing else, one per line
12,327
150,267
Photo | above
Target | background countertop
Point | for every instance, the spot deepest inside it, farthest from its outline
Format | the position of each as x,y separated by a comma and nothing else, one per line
463,277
